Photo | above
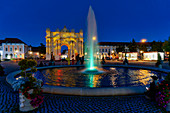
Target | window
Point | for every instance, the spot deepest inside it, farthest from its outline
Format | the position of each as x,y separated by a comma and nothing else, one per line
102,50
6,49
15,49
11,55
106,50
19,49
10,49
6,55
99,50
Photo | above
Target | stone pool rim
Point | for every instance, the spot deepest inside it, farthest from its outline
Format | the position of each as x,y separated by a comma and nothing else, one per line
84,91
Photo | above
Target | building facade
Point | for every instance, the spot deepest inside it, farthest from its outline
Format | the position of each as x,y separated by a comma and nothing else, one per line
12,48
118,49
36,52
109,49
55,40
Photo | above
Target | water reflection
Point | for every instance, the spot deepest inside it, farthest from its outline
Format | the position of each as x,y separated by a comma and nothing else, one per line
114,77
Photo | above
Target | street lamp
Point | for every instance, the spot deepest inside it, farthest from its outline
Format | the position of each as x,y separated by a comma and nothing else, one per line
141,51
94,38
30,52
143,40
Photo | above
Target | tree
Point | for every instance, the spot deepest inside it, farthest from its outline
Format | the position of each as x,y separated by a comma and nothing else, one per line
142,47
1,70
42,48
132,46
120,49
156,46
166,45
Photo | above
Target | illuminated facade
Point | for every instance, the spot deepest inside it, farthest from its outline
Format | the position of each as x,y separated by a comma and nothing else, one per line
55,40
12,48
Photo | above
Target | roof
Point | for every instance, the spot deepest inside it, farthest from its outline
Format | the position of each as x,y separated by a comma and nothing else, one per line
12,40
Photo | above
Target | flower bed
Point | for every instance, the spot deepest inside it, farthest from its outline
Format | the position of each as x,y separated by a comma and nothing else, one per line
163,94
29,87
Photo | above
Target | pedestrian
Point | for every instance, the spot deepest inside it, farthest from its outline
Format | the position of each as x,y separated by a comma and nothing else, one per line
41,64
82,60
152,90
72,59
78,59
103,61
68,60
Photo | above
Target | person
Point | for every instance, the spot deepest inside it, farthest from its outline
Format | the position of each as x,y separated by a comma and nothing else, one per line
72,59
68,60
151,92
103,61
125,62
77,59
60,61
82,60
41,64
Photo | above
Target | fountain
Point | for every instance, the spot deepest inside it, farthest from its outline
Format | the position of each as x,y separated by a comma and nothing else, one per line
92,49
93,80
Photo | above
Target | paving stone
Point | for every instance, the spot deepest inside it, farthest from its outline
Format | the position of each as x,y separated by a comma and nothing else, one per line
77,104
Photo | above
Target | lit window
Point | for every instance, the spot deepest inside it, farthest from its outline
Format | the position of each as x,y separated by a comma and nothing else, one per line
11,55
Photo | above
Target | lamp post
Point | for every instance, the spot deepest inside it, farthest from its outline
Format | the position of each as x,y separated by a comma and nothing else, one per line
141,52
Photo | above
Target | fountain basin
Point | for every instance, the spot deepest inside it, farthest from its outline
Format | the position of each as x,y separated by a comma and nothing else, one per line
87,91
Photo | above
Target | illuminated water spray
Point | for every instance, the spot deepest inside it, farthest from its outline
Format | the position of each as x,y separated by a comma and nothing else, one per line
92,50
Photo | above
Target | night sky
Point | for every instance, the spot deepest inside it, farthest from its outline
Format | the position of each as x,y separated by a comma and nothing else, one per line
117,20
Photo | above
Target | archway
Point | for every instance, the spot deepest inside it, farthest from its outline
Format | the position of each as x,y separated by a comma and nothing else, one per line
65,51
55,41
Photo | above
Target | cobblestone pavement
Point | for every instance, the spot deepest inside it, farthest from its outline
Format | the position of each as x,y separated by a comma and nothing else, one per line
77,104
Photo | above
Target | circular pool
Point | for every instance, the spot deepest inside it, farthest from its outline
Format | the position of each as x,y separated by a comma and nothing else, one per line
112,77
116,80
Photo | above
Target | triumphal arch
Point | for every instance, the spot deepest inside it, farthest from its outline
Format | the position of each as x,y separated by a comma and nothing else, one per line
55,40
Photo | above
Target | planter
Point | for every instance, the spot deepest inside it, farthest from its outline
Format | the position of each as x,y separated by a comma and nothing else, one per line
24,103
168,107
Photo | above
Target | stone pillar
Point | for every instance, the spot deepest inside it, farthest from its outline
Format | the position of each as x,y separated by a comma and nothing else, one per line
69,52
47,49
82,48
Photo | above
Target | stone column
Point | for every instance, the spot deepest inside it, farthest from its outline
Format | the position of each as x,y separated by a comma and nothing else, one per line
82,48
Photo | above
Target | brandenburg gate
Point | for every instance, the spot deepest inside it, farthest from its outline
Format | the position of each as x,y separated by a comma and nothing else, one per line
55,40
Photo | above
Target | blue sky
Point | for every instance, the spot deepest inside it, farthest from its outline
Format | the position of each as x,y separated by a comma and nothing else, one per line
117,20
